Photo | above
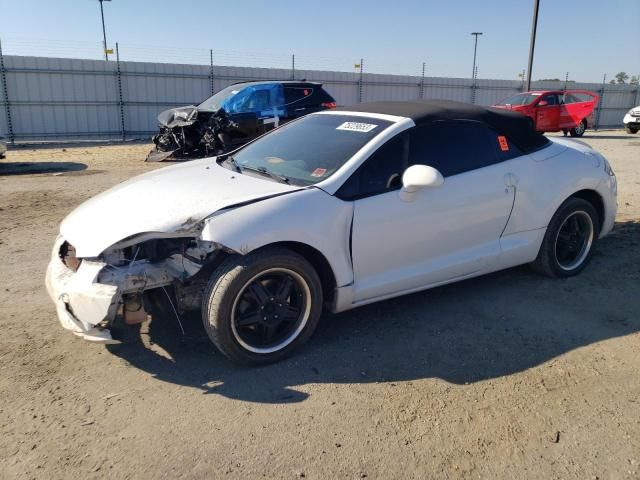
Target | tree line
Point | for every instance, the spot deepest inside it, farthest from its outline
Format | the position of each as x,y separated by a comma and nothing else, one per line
622,77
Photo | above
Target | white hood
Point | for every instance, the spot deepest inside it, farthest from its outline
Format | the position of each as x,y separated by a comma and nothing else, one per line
165,200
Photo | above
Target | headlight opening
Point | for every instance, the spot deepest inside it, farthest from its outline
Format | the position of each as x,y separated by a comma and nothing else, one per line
68,256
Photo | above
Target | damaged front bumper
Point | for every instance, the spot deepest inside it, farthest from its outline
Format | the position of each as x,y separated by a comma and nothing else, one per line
88,299
82,304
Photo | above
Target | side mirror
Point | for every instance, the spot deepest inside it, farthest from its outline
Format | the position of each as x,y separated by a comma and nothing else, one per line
419,177
543,103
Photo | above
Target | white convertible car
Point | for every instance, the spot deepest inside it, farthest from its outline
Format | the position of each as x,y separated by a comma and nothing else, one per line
337,209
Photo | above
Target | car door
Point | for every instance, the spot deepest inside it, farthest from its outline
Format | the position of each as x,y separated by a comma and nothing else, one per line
548,113
565,118
578,106
445,233
246,119
256,109
270,105
248,127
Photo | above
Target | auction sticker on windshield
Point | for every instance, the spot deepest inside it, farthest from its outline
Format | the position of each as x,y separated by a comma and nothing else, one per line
356,127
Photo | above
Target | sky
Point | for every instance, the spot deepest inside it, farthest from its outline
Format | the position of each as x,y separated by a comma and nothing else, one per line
586,38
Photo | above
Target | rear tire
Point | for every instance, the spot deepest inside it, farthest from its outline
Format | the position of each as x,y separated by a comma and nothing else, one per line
630,130
579,129
569,240
258,308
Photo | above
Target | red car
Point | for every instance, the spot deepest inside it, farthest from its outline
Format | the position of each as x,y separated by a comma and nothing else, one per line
570,111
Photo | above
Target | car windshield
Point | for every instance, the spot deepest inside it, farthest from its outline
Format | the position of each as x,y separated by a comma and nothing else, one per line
214,103
520,99
311,149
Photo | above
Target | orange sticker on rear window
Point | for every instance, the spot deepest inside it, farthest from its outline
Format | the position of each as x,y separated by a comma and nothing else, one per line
504,145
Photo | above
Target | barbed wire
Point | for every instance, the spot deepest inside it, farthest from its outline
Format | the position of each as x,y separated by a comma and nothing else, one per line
92,50
299,61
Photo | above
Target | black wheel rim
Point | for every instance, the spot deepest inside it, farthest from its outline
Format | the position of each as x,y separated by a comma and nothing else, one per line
271,310
574,240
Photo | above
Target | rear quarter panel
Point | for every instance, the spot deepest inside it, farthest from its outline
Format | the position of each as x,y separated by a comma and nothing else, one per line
546,179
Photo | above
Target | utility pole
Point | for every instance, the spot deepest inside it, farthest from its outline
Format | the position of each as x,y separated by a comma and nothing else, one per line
532,44
475,49
104,32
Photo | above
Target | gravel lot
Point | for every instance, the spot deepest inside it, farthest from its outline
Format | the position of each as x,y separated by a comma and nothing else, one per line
512,375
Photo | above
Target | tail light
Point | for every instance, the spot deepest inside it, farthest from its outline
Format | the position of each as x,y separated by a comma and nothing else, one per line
329,104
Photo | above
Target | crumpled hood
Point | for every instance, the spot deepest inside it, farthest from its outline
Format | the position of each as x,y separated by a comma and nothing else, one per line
167,200
178,117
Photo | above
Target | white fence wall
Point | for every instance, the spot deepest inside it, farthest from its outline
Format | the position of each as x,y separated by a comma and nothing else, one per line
58,98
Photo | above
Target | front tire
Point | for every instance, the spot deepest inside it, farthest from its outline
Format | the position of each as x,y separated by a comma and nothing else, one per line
258,308
630,130
579,129
569,240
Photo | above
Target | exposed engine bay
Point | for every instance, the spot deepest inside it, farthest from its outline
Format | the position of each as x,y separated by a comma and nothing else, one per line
187,132
155,263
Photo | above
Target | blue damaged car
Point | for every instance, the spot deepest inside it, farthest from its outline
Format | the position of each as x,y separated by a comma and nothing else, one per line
233,116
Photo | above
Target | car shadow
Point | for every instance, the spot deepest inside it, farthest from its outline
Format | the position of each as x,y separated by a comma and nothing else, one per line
58,144
31,168
462,333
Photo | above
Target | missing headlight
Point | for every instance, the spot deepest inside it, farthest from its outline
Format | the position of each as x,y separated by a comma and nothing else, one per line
156,250
68,256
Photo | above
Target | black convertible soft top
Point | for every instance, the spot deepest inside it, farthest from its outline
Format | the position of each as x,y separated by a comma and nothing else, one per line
513,125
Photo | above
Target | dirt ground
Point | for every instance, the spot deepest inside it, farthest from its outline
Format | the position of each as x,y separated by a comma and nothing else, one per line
512,375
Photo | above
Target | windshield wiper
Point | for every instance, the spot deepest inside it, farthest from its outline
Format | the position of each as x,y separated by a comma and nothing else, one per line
261,170
233,163
265,172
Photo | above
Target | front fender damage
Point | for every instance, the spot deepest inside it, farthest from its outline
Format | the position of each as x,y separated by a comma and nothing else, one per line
92,298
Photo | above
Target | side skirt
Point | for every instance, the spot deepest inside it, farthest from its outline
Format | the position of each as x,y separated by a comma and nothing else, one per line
517,249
